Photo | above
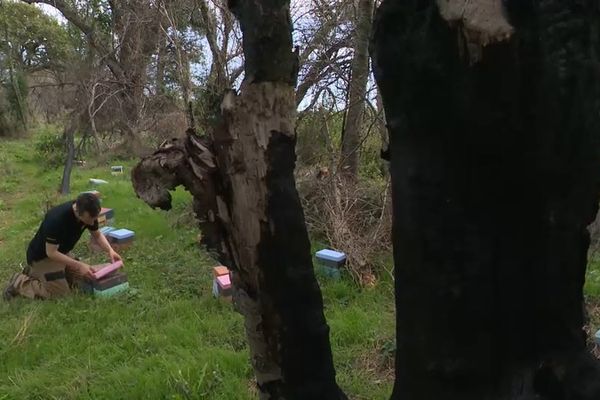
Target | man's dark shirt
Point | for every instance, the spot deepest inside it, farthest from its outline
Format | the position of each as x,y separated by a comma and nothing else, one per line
60,226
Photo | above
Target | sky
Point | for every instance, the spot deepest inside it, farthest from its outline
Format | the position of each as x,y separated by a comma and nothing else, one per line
52,11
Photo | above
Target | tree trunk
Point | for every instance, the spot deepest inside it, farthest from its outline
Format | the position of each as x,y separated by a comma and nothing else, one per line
69,137
242,180
494,164
357,89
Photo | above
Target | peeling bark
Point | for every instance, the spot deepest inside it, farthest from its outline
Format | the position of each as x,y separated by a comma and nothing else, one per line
480,22
242,180
485,20
188,162
495,177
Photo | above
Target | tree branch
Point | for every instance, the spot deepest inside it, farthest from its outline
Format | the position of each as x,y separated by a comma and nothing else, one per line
314,72
94,40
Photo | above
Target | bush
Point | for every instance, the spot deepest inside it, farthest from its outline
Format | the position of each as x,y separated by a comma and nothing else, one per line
319,143
13,103
9,122
17,90
50,147
352,217
355,219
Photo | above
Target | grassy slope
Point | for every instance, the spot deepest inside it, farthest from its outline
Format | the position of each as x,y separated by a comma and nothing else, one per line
168,339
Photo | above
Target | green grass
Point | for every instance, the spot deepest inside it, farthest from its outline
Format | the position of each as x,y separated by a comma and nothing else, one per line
592,292
592,281
167,338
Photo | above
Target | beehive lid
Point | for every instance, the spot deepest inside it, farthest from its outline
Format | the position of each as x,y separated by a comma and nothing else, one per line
121,234
107,229
331,255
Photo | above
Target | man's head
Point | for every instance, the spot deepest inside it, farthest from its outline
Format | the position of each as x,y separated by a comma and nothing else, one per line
87,208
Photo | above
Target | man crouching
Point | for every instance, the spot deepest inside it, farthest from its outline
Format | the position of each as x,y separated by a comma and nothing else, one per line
51,268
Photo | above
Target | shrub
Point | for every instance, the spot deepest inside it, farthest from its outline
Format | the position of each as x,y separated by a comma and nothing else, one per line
355,219
10,125
50,147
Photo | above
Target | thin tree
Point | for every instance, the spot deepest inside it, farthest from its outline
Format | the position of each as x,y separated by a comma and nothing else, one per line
357,89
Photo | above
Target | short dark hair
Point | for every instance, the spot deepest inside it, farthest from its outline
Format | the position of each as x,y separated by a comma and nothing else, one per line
88,202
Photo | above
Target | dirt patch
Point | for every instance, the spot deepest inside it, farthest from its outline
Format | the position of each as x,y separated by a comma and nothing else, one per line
378,361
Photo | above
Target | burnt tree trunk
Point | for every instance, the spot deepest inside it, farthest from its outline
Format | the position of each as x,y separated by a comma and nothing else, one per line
493,111
242,180
357,89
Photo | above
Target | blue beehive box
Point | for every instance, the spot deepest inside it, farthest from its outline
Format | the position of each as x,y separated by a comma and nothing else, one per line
331,258
597,338
106,230
121,235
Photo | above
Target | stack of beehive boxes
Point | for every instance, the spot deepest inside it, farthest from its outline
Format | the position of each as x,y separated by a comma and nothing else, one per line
110,279
222,283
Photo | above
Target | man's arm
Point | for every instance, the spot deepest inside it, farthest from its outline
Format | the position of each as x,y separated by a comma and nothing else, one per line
103,243
55,255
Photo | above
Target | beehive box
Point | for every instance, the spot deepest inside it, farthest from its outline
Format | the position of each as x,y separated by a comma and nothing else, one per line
98,287
121,239
116,170
331,258
121,236
123,287
222,287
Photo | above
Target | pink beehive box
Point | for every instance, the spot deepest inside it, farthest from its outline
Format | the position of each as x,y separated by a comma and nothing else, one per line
224,281
102,270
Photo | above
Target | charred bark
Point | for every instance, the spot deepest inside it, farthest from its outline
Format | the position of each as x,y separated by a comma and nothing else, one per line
494,161
245,197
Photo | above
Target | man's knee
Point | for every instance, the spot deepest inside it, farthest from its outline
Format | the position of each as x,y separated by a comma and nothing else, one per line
51,276
22,285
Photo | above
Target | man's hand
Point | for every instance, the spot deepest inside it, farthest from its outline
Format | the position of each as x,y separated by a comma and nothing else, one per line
86,271
114,256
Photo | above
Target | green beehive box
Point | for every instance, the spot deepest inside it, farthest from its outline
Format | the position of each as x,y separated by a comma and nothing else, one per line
329,272
112,291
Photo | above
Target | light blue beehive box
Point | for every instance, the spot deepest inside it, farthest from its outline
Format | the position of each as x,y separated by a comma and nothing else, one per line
330,262
121,235
106,230
331,258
